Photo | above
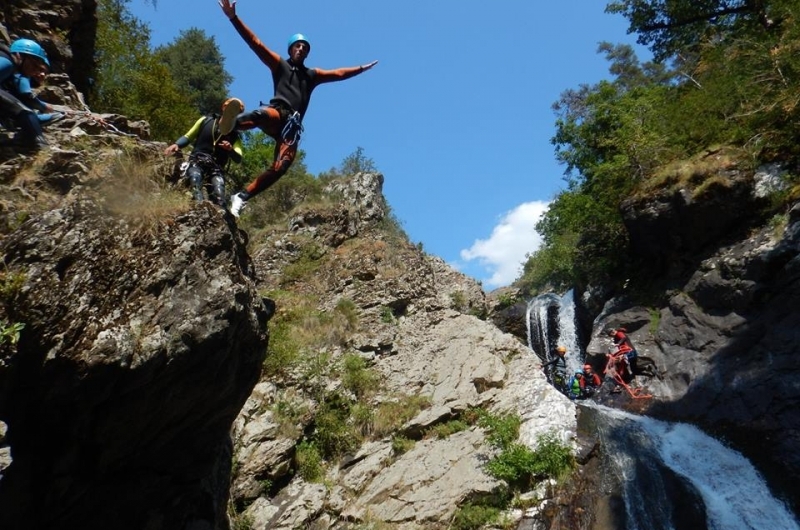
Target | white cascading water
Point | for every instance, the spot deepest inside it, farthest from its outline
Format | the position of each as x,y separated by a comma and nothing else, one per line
551,322
734,494
731,493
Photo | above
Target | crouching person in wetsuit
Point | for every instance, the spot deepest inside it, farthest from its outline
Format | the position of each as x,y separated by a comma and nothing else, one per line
21,65
584,384
282,118
215,143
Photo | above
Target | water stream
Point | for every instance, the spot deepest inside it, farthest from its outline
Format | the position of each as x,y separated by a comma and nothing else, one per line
670,476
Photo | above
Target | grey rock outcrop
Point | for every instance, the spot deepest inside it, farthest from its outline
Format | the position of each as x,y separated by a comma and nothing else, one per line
141,344
726,341
418,332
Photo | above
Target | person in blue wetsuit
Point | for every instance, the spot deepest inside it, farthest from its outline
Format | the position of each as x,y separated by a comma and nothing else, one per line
22,65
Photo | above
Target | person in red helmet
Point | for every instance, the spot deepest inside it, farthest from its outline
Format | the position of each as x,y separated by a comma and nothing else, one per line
624,346
592,379
282,117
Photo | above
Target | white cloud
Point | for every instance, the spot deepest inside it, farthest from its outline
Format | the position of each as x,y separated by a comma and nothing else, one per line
503,254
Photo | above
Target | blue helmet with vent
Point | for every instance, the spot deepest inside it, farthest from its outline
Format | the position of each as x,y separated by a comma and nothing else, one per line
298,37
29,47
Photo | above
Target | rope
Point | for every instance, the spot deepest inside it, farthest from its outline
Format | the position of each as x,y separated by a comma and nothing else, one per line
100,121
635,393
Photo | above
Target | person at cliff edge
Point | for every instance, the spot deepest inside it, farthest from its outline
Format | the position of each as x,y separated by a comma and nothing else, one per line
282,117
22,65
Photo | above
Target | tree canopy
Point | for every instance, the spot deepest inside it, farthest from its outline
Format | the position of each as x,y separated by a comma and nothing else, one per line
725,74
197,65
169,87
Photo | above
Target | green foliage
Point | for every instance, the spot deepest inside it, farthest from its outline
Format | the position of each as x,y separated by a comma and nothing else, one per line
288,414
401,444
348,311
670,27
334,433
10,332
356,377
474,516
459,301
197,66
502,430
506,300
131,80
655,320
355,162
391,415
443,430
283,351
387,315
242,521
308,461
520,466
731,82
306,264
10,285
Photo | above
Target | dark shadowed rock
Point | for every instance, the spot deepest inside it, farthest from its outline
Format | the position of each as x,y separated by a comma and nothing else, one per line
141,344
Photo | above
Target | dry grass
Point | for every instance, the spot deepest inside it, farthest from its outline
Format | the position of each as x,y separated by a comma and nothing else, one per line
133,186
699,173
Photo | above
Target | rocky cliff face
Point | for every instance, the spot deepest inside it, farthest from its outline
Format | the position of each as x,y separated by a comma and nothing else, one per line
144,343
727,342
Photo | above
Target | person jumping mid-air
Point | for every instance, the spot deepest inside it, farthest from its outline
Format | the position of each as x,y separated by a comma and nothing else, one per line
282,118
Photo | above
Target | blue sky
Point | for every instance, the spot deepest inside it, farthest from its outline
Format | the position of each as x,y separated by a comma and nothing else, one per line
456,115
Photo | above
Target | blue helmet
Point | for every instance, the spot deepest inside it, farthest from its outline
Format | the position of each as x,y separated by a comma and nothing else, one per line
298,37
29,47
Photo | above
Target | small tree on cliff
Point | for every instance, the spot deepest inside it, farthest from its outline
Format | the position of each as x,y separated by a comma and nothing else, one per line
130,79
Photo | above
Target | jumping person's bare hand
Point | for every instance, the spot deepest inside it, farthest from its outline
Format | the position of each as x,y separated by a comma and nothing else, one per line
225,144
171,149
228,7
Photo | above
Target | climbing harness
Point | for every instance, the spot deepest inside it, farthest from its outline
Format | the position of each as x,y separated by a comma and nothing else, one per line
293,129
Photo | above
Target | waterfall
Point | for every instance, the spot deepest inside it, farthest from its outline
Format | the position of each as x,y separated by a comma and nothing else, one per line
551,322
674,477
666,476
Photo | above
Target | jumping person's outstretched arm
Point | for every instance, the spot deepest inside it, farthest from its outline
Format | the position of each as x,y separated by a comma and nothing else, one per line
340,74
267,56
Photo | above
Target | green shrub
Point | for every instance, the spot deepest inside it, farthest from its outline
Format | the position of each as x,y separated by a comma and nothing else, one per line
309,462
520,466
282,351
348,310
357,378
334,433
443,430
459,301
474,516
502,430
401,444
9,333
10,285
391,415
387,315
